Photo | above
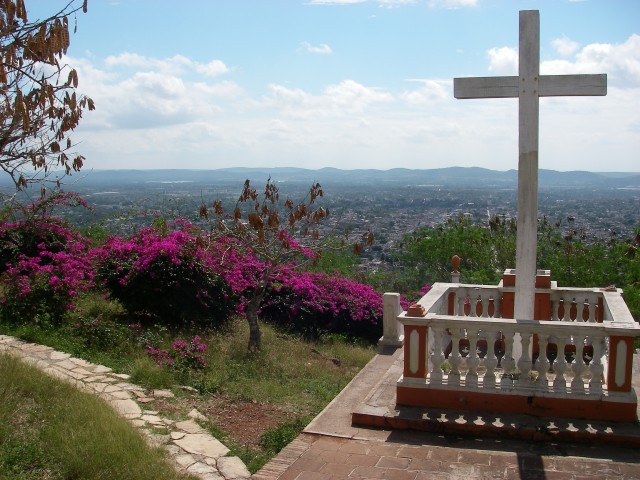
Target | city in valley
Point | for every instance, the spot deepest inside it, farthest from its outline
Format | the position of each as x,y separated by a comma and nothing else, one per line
388,203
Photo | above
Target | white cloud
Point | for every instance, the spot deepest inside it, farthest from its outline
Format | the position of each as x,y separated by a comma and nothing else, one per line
429,92
395,3
155,113
352,96
322,49
452,4
503,60
565,46
621,62
212,69
172,65
342,99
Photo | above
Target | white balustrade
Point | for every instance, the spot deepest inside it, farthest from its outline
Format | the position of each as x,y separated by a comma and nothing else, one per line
472,348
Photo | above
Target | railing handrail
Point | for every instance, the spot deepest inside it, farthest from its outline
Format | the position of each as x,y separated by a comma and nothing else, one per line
530,326
616,313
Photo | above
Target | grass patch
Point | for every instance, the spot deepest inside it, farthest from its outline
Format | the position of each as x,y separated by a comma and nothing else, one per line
49,429
298,376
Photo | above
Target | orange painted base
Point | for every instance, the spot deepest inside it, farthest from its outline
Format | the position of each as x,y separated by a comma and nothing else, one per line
505,403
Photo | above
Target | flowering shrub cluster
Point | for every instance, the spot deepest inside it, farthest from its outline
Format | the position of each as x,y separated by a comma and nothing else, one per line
43,266
313,303
168,275
174,274
182,357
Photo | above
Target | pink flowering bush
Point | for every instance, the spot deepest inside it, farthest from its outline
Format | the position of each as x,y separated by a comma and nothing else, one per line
43,266
183,356
313,303
168,275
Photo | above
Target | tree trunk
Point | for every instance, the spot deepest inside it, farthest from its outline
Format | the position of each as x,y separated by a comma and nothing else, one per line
251,312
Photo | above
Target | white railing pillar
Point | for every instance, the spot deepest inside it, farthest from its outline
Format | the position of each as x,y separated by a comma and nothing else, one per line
392,330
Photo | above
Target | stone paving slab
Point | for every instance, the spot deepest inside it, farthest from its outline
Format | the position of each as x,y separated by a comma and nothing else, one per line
191,447
332,447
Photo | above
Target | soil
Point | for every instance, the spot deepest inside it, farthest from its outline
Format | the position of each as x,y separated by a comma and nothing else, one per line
242,422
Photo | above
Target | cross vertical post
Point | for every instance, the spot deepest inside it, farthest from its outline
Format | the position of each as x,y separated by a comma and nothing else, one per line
528,86
528,123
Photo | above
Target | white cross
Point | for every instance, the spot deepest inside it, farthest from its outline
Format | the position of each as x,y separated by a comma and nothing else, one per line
528,86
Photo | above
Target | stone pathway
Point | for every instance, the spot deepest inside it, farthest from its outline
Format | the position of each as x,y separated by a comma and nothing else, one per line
192,448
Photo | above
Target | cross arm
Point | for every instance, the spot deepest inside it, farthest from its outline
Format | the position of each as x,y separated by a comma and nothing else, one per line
572,85
485,87
548,86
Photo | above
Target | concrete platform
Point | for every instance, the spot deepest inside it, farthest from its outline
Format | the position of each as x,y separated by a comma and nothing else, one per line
379,409
363,434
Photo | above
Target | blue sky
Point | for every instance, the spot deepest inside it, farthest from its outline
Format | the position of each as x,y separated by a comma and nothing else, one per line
345,83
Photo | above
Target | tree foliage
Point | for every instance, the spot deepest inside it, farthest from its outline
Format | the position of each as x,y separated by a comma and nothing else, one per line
485,251
39,106
575,258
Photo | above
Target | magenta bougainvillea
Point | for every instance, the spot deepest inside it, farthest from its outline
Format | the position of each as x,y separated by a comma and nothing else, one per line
313,303
168,275
43,267
174,275
183,356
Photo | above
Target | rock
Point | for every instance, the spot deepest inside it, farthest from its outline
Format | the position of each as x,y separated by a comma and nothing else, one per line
153,420
128,408
120,394
185,461
196,415
202,444
200,468
163,394
55,355
101,369
189,426
177,435
233,468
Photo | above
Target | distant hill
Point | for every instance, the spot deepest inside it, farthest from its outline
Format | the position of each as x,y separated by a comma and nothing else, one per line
461,177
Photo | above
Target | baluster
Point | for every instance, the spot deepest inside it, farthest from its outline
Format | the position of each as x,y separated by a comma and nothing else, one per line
508,363
461,299
454,358
485,306
524,362
472,359
490,360
542,363
560,366
473,304
497,307
593,305
437,356
583,314
595,366
555,308
578,366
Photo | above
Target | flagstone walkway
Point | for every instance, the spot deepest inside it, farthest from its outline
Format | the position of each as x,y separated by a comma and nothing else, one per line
192,448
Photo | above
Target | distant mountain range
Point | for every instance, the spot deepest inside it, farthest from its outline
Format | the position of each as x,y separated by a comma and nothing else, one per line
461,177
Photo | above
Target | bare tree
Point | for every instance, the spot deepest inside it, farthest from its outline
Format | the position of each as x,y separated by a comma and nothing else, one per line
39,106
279,234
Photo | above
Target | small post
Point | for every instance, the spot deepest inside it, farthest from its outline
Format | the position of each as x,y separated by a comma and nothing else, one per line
455,278
392,330
455,275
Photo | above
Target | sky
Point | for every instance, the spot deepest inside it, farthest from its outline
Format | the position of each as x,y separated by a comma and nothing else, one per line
204,84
